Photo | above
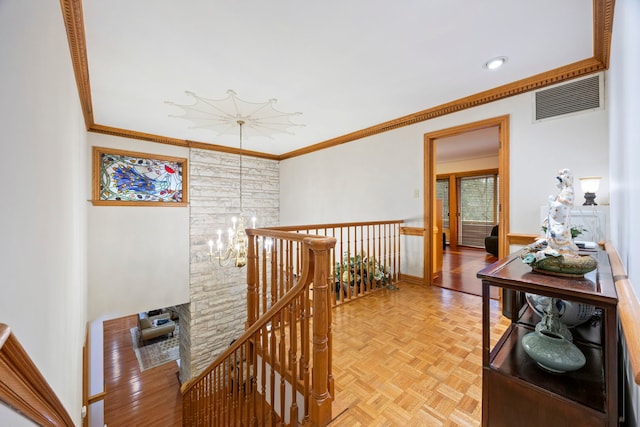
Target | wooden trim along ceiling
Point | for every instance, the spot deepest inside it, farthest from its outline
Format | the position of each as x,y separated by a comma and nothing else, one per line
602,28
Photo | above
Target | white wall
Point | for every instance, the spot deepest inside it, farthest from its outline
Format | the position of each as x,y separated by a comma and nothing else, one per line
43,210
375,178
624,89
138,256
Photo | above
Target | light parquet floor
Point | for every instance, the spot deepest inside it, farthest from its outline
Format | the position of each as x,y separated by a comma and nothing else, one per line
411,357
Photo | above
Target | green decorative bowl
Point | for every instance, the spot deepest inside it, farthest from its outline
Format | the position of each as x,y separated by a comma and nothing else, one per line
569,266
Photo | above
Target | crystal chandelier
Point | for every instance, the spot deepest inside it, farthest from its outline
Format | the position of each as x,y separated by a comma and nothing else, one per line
235,248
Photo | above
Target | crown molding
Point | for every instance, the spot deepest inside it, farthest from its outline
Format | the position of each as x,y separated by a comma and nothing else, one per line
602,28
127,133
74,24
567,72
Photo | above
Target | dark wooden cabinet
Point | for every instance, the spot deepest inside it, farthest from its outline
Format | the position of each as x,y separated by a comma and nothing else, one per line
515,390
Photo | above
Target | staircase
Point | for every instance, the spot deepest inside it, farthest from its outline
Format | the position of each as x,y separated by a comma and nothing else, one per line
279,371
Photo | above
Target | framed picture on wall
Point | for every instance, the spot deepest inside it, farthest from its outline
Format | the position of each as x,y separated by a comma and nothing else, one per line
128,178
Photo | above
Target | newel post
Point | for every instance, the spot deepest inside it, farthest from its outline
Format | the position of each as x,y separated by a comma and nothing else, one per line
320,405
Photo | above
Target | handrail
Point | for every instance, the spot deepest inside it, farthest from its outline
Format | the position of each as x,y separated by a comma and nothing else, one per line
366,256
628,310
24,388
332,225
278,358
264,319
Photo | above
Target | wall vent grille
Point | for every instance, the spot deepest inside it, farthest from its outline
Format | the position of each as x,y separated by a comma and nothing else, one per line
568,98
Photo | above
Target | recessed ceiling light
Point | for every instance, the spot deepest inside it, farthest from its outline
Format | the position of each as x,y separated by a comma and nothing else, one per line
494,63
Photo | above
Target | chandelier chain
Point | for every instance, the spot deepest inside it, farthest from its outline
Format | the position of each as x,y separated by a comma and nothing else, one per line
240,123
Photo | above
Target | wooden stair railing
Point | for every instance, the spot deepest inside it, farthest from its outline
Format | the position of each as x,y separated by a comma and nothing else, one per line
23,388
279,371
628,312
370,246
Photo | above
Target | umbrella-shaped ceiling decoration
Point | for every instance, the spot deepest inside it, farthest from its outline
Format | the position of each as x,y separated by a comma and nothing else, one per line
225,115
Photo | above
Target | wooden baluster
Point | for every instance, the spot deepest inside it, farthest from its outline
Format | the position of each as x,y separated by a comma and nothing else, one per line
386,251
306,357
252,289
272,373
341,257
347,265
367,249
363,285
332,266
290,267
293,367
273,274
284,269
281,363
263,376
396,267
378,242
275,261
265,277
234,381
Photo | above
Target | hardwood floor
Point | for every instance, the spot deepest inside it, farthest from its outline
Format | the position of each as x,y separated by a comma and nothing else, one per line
459,268
410,357
134,398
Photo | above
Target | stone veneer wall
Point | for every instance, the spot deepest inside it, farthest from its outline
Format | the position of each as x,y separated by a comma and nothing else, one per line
217,309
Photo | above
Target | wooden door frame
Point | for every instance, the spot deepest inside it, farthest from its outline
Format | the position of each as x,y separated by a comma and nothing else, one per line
502,123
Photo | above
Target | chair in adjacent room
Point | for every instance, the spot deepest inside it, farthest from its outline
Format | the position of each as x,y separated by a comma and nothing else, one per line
491,241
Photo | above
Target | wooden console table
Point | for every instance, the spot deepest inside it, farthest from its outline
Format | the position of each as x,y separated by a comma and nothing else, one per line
515,390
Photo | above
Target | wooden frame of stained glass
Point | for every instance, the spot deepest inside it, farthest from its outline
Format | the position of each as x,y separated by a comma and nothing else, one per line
129,178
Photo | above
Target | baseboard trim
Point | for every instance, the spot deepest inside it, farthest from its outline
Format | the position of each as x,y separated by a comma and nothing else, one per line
411,279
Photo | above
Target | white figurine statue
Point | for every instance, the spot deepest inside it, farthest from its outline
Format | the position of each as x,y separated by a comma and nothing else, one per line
557,253
559,218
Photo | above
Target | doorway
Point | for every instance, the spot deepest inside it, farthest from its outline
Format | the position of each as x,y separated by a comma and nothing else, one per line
470,199
456,136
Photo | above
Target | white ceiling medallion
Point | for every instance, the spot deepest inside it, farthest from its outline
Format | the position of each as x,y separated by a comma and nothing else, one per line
222,116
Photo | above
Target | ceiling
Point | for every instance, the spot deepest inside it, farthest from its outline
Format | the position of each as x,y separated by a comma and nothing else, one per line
351,68
475,144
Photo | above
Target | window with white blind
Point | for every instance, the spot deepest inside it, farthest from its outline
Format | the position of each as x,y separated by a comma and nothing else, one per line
477,207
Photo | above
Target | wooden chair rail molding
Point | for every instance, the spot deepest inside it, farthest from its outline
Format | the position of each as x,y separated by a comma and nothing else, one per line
23,388
521,239
628,310
412,231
